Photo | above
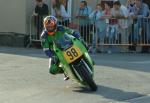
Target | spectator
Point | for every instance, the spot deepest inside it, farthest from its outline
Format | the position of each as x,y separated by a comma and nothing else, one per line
148,30
112,26
142,11
109,21
145,49
120,12
40,11
130,4
84,24
100,26
60,12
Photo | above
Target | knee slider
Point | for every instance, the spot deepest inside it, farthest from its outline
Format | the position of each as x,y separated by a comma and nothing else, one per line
53,69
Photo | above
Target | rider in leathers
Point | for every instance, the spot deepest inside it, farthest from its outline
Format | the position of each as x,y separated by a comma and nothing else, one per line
51,31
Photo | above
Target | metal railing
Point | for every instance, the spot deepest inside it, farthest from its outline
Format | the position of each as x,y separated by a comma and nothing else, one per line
118,32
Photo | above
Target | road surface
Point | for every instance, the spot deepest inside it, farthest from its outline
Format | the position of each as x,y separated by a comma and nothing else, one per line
24,78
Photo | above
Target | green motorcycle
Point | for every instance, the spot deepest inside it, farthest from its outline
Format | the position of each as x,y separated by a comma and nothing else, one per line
75,60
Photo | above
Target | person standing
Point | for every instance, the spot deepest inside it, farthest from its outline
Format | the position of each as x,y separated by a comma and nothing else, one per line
142,11
60,12
120,12
84,24
41,10
99,24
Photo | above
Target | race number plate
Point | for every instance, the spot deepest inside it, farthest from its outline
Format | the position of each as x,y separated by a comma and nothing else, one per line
72,54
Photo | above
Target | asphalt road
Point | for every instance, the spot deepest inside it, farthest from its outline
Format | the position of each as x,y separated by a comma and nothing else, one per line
24,78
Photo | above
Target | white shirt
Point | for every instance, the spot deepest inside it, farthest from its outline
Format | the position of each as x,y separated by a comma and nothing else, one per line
123,11
62,11
95,17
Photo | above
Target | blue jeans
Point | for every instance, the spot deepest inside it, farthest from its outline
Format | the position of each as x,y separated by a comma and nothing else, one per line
148,31
98,35
112,31
136,35
139,25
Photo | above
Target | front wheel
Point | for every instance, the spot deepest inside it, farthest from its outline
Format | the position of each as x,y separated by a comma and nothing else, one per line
86,76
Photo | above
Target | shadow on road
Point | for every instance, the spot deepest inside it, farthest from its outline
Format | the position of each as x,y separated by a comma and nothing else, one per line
110,93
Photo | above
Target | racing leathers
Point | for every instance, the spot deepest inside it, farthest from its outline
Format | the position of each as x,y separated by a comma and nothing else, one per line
47,45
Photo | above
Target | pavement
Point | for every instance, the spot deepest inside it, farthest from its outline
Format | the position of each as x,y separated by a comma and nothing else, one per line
120,77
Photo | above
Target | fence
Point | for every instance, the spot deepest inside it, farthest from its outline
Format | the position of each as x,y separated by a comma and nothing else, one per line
105,32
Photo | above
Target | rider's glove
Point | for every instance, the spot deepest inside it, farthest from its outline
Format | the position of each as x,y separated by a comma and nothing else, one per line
49,53
76,34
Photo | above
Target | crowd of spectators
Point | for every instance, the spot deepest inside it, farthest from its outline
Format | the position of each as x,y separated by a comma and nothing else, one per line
109,23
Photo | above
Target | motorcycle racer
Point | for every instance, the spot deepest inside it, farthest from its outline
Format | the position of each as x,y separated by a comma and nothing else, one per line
51,31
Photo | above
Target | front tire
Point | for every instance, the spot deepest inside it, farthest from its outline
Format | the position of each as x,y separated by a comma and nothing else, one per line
85,75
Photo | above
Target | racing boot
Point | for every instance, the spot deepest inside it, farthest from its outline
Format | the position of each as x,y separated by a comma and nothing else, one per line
66,77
